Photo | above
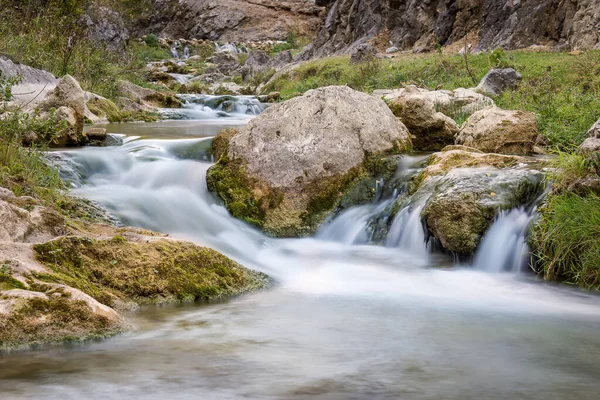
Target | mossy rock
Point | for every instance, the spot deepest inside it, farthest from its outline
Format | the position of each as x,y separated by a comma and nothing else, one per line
104,108
220,143
117,272
51,319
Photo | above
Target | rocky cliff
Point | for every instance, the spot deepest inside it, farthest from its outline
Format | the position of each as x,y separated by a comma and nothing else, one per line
420,25
231,20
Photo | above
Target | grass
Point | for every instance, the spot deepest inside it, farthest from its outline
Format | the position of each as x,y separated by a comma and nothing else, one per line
562,90
567,239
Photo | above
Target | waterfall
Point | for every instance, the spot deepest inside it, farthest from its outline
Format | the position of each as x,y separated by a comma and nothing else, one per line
186,52
174,52
229,47
504,247
202,106
352,225
407,233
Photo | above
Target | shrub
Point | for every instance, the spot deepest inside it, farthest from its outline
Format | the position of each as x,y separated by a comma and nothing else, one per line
151,40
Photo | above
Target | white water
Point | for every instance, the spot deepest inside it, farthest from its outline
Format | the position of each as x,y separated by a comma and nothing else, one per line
504,248
347,320
182,79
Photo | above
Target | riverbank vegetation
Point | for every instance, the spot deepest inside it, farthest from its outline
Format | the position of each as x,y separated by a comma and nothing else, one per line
563,90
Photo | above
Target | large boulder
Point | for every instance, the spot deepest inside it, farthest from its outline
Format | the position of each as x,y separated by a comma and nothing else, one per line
67,100
497,80
590,145
431,130
464,190
500,131
288,169
33,86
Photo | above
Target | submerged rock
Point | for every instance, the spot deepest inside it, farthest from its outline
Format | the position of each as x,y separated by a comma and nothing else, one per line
430,130
500,131
288,169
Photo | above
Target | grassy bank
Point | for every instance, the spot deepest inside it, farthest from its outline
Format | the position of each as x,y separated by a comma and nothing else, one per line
563,90
566,239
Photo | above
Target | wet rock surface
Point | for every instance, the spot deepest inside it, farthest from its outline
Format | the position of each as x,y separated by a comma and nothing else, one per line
288,168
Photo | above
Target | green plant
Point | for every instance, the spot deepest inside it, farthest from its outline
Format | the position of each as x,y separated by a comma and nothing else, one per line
151,40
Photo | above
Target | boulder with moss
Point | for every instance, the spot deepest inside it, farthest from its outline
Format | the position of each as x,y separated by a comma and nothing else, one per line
463,190
431,130
99,109
288,169
137,98
500,131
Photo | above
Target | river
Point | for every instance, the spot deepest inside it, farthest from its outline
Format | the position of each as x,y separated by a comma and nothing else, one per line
346,320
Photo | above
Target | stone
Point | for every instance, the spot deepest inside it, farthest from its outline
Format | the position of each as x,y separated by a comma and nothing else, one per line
364,52
497,81
431,130
287,170
594,131
34,83
105,26
223,62
590,145
392,49
96,133
458,103
68,99
146,99
500,131
415,25
464,190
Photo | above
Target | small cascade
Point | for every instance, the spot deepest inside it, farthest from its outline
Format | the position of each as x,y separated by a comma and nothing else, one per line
186,52
504,247
353,225
174,52
201,106
406,231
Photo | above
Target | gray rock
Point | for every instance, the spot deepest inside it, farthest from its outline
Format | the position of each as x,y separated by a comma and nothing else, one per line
392,49
431,130
35,83
594,131
590,145
223,62
105,26
496,81
287,169
363,52
500,131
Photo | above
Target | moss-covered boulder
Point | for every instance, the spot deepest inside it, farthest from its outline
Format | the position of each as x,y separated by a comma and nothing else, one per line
123,274
136,98
464,191
288,169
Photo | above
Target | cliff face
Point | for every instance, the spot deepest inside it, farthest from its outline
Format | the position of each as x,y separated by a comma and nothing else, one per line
422,24
231,20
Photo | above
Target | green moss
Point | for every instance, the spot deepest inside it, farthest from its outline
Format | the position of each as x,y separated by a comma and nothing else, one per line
105,108
229,180
115,271
52,320
220,143
7,282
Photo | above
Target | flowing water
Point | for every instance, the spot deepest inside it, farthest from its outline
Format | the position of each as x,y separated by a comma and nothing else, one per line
347,319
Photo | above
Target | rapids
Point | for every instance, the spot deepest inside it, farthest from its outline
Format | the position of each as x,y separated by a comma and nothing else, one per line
347,320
